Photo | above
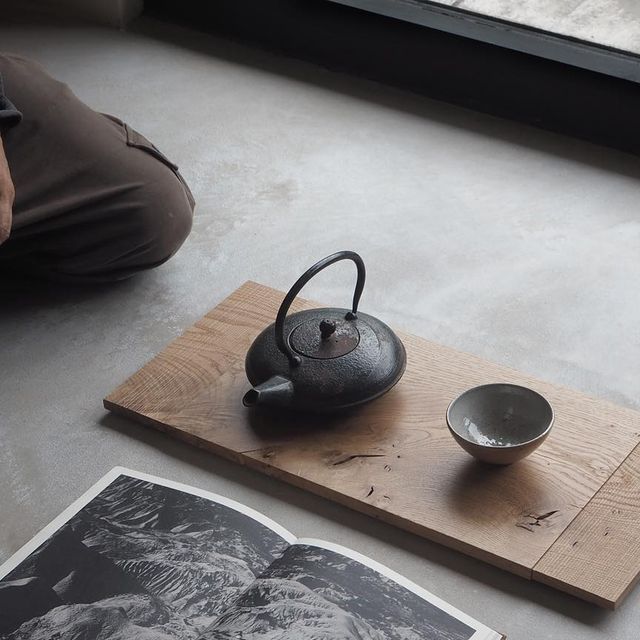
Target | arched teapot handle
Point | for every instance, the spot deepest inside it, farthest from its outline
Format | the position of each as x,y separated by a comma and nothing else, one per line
281,342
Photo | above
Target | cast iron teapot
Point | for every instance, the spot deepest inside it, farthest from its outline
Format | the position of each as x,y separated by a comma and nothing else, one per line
323,359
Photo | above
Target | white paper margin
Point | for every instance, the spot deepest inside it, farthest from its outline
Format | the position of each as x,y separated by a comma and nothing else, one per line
44,534
482,632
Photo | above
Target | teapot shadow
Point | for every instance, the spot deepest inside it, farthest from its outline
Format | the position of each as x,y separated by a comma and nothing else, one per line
360,422
273,423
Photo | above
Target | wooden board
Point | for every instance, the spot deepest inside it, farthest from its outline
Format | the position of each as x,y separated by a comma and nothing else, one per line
395,460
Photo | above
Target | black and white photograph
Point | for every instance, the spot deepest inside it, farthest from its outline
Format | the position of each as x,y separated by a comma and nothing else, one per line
315,593
140,560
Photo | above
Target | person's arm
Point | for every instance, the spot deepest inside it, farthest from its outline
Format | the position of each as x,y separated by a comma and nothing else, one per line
9,117
7,195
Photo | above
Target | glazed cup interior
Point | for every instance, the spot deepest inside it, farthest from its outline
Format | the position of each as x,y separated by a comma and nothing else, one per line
500,416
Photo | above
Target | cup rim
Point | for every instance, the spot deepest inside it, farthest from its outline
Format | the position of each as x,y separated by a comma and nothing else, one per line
543,434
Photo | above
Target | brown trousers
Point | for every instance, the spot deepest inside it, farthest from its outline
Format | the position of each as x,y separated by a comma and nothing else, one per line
95,200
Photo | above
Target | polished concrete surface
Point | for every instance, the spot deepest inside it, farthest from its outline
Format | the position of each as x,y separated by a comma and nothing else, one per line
513,244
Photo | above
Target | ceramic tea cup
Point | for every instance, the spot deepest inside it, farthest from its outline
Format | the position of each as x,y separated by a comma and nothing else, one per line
500,423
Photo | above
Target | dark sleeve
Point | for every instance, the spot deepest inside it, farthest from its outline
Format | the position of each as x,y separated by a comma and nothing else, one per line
9,115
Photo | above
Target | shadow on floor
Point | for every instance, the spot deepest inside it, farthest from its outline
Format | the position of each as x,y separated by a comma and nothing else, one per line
24,294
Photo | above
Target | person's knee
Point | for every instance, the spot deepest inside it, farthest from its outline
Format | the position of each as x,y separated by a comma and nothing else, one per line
161,220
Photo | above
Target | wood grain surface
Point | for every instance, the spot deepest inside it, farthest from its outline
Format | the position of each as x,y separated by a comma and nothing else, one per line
597,557
394,458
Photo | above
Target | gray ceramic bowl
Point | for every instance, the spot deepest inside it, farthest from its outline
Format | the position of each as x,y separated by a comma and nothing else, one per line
500,423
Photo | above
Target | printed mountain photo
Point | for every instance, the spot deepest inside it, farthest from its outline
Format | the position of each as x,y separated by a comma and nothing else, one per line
143,558
318,594
140,561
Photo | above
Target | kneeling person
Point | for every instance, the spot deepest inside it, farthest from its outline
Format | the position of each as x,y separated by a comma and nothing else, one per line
83,197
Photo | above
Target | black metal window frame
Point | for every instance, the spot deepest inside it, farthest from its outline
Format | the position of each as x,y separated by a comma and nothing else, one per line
510,35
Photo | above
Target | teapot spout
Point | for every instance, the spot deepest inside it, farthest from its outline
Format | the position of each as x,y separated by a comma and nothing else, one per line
277,391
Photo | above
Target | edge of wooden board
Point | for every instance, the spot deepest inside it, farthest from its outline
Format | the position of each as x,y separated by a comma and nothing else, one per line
195,326
606,528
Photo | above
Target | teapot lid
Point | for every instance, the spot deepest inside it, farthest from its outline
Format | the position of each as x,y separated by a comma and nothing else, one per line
325,339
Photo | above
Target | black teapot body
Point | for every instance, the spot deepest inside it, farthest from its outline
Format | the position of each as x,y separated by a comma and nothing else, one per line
323,360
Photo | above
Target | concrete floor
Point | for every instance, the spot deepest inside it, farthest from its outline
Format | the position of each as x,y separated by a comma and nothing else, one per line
504,241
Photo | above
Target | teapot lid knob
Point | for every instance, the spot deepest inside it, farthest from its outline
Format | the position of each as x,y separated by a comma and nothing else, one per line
327,328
